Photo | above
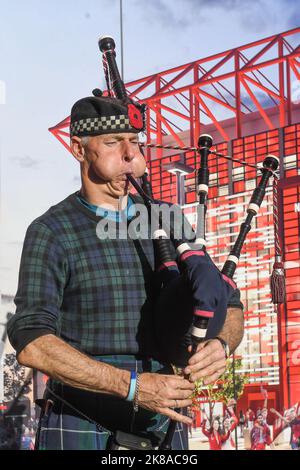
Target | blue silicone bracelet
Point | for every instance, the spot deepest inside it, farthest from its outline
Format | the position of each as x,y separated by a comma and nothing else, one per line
132,387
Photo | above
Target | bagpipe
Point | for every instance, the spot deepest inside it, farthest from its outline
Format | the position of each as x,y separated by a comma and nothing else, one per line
193,299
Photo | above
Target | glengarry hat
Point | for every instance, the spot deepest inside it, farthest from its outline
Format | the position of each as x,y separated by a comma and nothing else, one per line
96,115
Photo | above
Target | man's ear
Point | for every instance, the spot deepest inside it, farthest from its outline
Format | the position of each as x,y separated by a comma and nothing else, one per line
77,148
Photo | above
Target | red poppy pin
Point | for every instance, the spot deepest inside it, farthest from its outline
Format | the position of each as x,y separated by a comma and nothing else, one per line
135,117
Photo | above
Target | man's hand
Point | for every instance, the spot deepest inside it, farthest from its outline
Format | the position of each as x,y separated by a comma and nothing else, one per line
162,393
208,363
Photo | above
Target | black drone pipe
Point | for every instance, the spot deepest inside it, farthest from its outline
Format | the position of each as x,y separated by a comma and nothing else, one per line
162,248
270,165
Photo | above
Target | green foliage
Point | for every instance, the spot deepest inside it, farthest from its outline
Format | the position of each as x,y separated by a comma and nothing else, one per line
229,386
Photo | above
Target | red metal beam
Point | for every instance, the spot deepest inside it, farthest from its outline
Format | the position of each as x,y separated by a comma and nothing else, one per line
213,118
57,134
216,100
262,87
257,104
227,90
265,64
175,79
208,87
293,66
218,55
159,139
196,107
215,67
142,87
238,122
262,52
167,125
261,74
289,93
174,111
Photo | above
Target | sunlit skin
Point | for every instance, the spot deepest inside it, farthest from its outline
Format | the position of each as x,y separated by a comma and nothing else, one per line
265,413
104,161
216,425
226,423
260,420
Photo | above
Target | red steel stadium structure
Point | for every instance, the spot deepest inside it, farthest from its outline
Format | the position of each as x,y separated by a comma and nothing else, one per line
248,100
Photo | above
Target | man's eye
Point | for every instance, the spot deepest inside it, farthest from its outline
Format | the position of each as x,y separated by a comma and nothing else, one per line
111,142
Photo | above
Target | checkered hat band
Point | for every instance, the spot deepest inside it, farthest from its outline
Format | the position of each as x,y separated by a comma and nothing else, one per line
104,123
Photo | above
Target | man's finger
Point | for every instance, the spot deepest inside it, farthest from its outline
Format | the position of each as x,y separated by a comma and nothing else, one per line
180,395
213,378
186,385
201,365
178,403
203,350
199,347
208,371
177,382
215,356
175,387
176,416
212,347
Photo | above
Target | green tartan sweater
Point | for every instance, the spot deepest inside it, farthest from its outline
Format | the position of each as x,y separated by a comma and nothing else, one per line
97,295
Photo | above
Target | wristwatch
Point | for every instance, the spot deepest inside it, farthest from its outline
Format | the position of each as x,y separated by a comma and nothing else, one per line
225,346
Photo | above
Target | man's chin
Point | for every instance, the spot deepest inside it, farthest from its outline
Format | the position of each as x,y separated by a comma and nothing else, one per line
123,188
120,191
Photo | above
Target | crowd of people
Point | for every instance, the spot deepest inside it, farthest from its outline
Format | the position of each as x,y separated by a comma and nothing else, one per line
220,429
16,434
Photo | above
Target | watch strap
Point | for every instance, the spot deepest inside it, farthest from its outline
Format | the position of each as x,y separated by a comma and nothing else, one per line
225,346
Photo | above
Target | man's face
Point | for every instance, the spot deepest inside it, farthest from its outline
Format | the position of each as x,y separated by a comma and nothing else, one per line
260,420
109,157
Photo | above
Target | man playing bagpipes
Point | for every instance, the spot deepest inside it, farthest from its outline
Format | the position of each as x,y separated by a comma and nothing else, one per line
85,305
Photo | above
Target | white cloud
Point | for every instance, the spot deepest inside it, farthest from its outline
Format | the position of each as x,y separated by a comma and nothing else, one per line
26,161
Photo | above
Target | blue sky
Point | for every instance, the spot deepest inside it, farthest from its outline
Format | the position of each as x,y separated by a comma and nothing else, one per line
50,58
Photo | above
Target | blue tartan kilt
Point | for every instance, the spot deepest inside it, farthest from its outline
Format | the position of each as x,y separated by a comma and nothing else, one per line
63,427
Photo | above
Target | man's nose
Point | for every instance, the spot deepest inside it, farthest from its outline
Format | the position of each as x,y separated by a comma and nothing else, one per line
128,152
